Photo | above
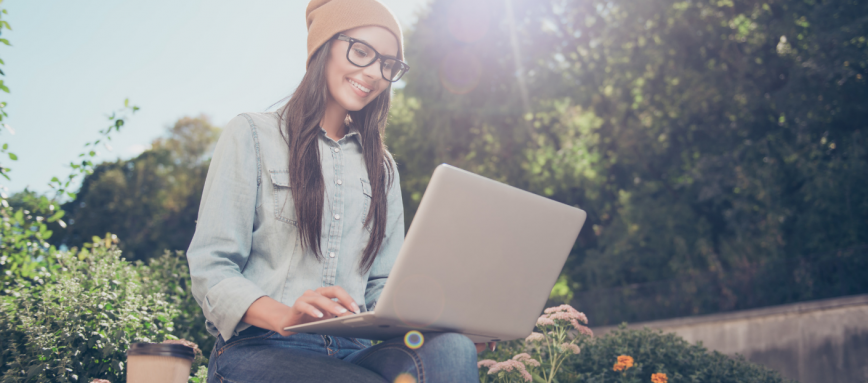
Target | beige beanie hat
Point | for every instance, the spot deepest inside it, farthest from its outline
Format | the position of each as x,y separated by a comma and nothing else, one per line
326,18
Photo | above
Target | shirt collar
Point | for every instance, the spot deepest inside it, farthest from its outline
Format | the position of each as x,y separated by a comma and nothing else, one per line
351,132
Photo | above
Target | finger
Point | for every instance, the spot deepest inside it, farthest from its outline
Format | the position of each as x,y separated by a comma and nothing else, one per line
492,345
327,305
342,296
306,308
283,332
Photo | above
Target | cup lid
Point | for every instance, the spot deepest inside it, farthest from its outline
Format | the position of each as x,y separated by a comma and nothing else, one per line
161,349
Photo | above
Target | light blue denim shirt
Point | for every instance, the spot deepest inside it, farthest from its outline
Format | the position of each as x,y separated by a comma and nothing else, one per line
246,243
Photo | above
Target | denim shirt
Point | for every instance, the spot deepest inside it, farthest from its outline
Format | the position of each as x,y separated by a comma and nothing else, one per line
247,242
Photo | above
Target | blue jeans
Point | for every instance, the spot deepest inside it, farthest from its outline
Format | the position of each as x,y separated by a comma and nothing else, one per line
258,355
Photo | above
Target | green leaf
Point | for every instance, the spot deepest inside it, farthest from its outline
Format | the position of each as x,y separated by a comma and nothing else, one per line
5,146
13,157
4,41
56,216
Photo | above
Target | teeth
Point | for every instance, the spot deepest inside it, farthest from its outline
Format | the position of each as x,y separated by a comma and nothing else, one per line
357,85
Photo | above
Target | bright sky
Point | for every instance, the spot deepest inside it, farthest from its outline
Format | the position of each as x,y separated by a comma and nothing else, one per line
73,63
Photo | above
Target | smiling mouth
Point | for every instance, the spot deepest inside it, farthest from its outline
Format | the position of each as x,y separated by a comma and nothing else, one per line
359,86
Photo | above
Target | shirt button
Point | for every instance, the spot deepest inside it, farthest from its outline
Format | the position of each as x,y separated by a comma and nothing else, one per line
337,150
337,216
340,182
331,255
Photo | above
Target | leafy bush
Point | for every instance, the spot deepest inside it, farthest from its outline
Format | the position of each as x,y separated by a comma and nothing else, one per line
79,326
566,351
655,352
169,275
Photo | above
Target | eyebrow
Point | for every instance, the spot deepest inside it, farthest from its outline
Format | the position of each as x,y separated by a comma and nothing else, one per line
372,46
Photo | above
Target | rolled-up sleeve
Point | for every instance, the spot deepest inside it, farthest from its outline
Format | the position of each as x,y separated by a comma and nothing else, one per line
391,244
224,229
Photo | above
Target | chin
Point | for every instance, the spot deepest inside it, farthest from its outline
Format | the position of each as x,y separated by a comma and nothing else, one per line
352,105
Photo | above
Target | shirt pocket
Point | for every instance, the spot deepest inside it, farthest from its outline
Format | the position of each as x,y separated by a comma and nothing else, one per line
366,198
284,206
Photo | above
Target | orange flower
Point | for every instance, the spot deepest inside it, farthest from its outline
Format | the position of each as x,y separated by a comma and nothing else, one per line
627,361
624,362
659,378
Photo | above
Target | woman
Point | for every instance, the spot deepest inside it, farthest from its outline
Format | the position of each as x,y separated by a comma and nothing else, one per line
301,220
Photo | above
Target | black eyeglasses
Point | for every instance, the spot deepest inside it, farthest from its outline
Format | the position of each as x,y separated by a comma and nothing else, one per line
361,54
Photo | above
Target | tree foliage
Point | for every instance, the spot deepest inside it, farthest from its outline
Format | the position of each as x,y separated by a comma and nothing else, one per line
151,201
702,136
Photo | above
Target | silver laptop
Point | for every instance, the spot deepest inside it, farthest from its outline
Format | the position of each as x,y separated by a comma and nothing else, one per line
480,259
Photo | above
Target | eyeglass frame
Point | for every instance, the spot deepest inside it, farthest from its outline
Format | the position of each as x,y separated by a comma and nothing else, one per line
379,57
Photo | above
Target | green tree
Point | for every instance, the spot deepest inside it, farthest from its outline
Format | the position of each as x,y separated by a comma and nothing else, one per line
702,137
4,149
151,201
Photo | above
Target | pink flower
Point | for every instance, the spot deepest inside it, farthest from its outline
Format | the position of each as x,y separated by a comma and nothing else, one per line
535,337
562,308
544,321
570,347
526,359
485,363
575,323
585,330
506,365
565,308
569,316
562,316
521,357
509,366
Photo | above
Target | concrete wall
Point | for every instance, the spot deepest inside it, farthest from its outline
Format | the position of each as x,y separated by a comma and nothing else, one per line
813,342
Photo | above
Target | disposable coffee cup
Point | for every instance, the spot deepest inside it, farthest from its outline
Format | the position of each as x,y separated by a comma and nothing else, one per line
159,363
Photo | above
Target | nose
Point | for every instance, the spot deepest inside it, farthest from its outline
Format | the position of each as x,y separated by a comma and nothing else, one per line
373,71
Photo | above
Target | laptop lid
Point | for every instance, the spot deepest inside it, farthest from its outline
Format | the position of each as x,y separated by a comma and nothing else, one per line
480,257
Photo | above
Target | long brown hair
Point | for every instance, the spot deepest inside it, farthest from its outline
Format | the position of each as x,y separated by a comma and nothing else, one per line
301,117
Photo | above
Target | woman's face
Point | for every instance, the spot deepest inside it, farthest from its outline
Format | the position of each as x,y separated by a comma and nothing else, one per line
354,87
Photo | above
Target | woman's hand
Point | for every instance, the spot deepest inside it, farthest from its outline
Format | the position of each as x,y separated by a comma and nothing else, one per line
482,346
312,306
